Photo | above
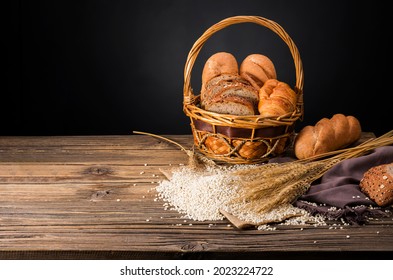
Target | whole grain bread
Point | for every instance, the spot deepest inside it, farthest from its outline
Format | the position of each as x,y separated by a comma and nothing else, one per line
219,83
232,105
220,94
377,184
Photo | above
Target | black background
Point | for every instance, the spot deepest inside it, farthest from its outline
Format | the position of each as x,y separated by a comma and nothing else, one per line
111,67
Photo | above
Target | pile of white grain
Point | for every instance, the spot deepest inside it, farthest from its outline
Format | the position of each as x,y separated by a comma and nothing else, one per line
199,194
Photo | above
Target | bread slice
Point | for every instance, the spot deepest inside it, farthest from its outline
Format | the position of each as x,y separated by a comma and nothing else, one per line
232,78
232,105
216,84
247,92
230,94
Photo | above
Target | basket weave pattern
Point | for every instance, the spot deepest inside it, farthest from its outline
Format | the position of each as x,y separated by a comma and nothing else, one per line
240,139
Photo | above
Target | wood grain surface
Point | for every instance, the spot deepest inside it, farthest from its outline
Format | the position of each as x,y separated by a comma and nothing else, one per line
93,197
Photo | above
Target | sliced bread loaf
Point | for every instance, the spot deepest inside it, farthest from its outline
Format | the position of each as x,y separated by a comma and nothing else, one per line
232,105
219,94
218,83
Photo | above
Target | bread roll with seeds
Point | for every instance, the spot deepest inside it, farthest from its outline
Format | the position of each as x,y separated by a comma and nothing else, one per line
257,69
377,184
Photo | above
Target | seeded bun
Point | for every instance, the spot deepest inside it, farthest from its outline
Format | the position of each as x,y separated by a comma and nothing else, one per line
257,69
377,184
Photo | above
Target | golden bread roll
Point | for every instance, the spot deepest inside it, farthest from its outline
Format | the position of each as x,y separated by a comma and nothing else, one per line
377,184
218,64
257,69
327,135
276,99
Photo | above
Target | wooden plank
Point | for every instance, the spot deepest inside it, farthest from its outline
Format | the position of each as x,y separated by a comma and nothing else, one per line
133,157
111,142
104,172
94,197
165,238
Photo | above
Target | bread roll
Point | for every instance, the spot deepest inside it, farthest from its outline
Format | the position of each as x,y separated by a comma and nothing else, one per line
218,64
276,99
377,183
327,135
257,69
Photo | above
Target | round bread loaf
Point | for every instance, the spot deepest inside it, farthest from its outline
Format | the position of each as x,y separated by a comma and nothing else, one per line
257,69
377,184
218,64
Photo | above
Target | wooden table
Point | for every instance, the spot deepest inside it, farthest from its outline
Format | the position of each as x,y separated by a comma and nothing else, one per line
93,197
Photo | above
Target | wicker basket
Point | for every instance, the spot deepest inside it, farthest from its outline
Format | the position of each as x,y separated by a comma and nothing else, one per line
241,139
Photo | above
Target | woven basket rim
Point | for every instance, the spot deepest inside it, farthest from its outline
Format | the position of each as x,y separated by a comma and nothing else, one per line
252,121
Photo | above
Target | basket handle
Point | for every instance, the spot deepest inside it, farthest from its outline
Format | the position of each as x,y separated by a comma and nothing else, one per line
196,48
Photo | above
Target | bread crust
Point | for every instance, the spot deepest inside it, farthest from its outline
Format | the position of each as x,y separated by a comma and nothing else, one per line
218,64
324,136
355,129
304,140
327,135
276,99
257,69
377,183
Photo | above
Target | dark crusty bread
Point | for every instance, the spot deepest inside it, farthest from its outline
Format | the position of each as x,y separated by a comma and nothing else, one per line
377,184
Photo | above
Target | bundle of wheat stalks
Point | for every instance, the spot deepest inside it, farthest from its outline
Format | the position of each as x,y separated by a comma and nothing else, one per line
268,186
265,187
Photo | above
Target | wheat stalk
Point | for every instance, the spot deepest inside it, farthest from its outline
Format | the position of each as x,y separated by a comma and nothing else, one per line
265,187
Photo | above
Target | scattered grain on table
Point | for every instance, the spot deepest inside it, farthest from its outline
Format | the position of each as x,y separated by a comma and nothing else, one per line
199,194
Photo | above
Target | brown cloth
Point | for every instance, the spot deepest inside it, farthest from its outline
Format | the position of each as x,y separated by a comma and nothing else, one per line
337,194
